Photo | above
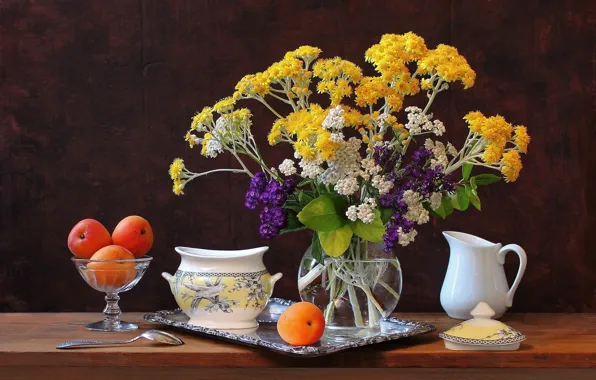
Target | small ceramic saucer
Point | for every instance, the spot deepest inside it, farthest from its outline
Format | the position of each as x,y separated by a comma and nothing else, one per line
482,333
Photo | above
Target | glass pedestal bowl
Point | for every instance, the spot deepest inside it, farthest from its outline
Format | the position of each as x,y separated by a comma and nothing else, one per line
112,277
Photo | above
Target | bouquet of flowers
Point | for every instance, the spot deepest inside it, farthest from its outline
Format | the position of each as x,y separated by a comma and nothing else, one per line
361,172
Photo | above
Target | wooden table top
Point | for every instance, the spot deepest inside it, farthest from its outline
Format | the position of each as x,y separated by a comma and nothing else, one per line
554,341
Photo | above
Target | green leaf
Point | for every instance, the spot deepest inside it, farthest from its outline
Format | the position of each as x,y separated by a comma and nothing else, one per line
294,207
316,250
466,169
336,242
473,185
303,182
293,224
439,212
462,199
305,196
322,214
386,214
372,232
447,206
475,201
468,190
486,179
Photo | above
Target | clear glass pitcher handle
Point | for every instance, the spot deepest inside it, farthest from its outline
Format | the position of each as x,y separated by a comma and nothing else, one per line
523,261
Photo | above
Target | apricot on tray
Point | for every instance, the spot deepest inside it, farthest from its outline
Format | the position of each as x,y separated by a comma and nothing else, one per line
301,324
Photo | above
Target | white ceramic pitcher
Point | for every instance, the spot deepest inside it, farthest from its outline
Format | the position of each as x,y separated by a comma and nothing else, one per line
476,274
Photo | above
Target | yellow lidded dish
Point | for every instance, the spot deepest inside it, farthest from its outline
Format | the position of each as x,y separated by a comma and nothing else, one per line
482,333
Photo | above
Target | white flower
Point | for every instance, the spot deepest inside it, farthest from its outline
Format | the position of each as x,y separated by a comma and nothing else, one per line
335,119
347,186
382,184
419,122
439,151
214,147
416,211
366,210
435,200
451,149
438,127
406,238
287,167
345,163
337,137
352,213
310,168
370,167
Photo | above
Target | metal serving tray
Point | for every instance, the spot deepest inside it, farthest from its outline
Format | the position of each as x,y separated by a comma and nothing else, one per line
266,335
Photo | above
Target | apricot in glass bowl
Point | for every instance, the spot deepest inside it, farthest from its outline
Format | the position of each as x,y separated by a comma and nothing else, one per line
112,277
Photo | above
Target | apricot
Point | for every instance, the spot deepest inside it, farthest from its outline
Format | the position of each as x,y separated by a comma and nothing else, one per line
109,275
301,324
87,237
135,234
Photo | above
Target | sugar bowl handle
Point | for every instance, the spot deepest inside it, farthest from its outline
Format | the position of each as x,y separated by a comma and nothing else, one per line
523,261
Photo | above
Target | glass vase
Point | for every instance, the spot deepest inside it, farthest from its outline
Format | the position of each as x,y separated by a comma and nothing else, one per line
354,291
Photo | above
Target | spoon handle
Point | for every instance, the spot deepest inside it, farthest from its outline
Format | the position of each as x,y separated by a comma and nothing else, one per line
88,343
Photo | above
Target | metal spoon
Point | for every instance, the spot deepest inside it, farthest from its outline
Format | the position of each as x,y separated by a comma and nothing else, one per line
154,335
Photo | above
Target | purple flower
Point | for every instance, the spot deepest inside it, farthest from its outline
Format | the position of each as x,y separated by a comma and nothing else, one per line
268,232
273,196
289,185
251,200
258,182
419,176
385,157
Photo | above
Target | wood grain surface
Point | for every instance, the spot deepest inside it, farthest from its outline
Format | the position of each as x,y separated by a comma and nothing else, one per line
95,97
554,341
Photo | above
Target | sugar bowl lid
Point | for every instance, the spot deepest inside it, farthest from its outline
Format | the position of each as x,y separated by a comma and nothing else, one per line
482,332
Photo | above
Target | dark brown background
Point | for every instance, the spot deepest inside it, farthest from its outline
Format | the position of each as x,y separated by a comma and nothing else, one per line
95,97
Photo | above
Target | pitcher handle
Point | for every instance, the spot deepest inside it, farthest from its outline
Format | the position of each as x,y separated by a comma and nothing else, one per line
523,261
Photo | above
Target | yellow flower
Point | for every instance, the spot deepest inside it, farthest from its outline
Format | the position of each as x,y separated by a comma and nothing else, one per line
176,168
190,138
448,64
253,85
511,165
496,129
201,118
275,134
395,101
289,67
336,76
224,105
370,90
306,53
178,187
393,51
352,118
426,84
475,120
492,153
304,150
521,138
206,139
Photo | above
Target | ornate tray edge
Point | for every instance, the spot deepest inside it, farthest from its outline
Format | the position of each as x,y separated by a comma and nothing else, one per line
299,351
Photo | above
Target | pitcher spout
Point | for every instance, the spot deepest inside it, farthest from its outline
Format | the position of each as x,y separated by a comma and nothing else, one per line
461,239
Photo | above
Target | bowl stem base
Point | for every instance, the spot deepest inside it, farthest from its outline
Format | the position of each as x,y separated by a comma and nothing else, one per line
103,326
